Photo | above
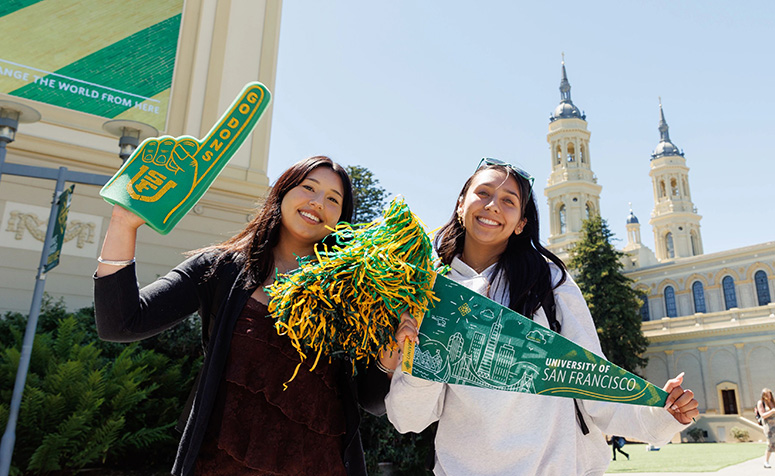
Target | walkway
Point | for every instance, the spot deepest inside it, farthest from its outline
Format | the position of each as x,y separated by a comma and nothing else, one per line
754,467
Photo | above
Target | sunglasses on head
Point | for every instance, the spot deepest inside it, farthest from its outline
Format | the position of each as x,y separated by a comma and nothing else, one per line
490,161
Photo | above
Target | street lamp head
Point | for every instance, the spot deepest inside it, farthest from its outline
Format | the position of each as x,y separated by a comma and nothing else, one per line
128,142
130,134
11,114
8,126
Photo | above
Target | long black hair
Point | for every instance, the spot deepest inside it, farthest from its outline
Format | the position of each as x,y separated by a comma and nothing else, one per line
253,245
523,263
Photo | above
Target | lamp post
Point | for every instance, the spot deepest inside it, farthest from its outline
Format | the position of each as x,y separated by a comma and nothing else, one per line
130,134
11,114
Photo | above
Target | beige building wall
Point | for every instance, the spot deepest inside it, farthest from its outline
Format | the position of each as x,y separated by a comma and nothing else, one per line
709,269
728,351
222,46
722,351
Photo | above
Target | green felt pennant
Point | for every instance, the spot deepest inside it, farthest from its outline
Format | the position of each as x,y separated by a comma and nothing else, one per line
467,339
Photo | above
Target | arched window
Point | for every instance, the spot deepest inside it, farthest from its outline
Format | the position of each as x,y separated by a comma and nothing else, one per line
672,311
587,210
669,245
571,153
762,288
699,297
644,309
730,298
561,220
695,243
674,187
662,192
582,155
558,157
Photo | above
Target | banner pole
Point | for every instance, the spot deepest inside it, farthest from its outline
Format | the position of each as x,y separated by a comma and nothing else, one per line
9,437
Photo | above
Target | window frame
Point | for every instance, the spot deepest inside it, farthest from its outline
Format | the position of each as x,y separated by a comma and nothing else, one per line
730,295
670,303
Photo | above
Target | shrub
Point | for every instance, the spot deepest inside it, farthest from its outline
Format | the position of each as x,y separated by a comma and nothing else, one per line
739,434
383,444
91,403
696,434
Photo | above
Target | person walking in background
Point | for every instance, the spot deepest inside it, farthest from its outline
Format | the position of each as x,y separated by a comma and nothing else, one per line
618,442
492,246
766,408
241,421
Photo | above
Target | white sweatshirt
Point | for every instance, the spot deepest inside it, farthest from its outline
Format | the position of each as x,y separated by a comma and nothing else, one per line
493,432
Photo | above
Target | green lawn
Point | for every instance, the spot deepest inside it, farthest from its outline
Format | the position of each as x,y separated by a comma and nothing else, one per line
685,457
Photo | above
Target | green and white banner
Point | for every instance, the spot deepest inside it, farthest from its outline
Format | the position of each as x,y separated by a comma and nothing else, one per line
467,339
110,58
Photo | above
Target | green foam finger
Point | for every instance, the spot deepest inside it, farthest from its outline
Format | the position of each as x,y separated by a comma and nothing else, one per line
165,177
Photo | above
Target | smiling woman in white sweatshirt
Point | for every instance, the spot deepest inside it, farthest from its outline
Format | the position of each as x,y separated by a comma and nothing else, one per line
492,246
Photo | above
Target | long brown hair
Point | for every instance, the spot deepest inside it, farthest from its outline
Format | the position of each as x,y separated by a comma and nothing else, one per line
523,262
767,398
254,244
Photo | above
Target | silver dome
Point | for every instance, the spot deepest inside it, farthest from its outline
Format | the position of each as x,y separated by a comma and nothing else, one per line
666,149
565,110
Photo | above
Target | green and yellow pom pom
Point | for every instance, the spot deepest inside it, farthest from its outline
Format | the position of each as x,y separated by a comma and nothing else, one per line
348,302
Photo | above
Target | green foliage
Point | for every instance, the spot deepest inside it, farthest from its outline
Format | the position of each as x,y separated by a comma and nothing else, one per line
696,434
614,304
740,434
368,195
92,403
383,444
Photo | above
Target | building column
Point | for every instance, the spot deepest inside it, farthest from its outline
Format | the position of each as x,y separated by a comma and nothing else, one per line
670,364
707,387
745,388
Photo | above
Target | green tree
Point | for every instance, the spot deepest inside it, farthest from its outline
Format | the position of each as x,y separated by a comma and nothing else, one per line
614,304
89,403
407,453
369,197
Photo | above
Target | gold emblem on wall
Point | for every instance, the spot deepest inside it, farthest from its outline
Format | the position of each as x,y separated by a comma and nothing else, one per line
20,223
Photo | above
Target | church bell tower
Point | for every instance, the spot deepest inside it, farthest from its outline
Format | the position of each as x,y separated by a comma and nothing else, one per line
674,220
572,190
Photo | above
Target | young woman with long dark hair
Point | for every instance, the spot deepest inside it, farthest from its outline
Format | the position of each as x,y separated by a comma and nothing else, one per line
241,421
766,408
492,246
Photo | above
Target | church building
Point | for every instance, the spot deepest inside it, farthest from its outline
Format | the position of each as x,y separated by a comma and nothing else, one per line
711,316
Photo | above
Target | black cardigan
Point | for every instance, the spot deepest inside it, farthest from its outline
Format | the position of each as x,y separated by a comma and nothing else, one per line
125,313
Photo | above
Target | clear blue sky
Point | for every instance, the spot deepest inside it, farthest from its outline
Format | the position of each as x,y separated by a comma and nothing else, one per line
419,91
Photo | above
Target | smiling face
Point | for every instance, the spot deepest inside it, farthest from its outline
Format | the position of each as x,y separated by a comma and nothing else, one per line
309,209
491,211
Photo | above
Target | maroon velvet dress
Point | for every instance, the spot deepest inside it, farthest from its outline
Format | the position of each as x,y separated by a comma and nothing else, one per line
259,429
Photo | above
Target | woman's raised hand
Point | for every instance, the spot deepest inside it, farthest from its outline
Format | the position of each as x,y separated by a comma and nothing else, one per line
120,239
407,329
391,355
124,218
680,403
